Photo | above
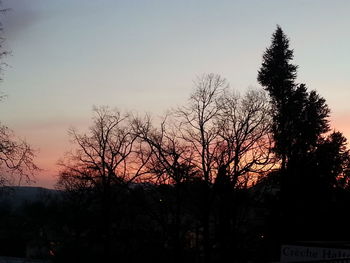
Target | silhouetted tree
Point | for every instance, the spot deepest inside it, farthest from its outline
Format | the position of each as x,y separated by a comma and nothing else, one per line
312,163
229,135
242,156
16,159
170,163
170,158
299,116
106,161
334,160
277,76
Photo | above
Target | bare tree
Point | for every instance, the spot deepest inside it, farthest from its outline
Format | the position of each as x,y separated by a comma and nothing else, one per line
106,156
106,159
229,135
198,129
244,143
227,132
242,156
197,121
171,163
170,160
16,159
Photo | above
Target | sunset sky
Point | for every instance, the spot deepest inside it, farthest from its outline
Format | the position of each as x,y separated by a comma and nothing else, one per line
68,55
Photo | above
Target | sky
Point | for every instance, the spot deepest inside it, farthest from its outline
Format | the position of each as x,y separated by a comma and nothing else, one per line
69,55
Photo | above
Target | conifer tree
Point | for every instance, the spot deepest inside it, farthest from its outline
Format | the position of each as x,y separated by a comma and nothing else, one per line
313,165
299,116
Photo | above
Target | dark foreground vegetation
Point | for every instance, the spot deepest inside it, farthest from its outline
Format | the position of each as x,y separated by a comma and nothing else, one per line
225,177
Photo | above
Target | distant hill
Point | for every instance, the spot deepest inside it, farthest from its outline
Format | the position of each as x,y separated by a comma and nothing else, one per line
18,195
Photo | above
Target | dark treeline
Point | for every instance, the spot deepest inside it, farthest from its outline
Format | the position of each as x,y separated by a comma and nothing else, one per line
227,176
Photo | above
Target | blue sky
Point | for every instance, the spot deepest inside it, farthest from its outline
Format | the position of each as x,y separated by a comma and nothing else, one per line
68,55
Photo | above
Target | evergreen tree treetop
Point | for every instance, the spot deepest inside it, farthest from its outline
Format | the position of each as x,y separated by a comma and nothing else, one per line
300,117
277,74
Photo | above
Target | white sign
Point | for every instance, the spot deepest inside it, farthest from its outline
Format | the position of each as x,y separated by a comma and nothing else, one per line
301,253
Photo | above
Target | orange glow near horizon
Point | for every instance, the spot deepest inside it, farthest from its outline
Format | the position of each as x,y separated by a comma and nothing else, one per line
341,123
51,151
